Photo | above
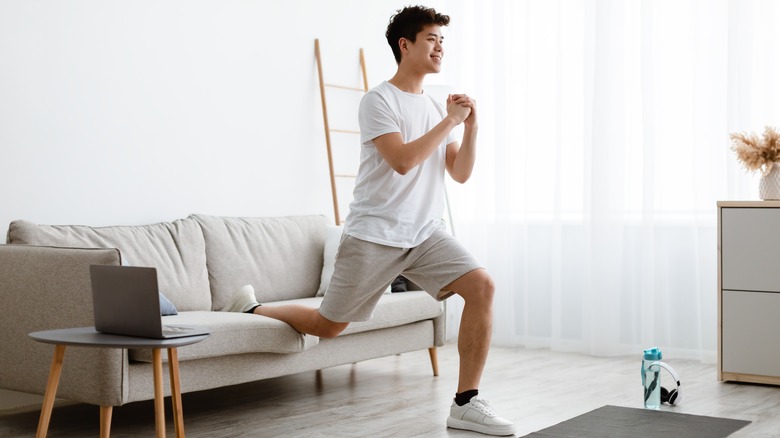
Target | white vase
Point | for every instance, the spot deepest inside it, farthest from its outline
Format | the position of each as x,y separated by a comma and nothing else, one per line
769,185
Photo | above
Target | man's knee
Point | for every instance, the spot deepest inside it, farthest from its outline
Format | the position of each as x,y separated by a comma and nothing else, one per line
477,287
329,329
486,287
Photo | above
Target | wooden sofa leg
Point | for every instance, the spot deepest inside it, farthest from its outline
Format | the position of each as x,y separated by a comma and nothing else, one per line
434,361
105,421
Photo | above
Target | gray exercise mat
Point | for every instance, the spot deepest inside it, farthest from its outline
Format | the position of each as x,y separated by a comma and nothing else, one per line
617,422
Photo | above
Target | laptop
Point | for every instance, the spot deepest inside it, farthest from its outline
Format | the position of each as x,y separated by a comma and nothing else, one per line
126,302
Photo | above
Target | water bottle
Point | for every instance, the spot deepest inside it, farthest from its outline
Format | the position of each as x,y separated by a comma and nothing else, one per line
651,378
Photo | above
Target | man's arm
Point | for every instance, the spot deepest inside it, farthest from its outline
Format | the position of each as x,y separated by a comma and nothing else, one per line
403,157
461,157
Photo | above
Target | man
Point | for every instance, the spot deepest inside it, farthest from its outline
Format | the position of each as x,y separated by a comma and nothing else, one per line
394,225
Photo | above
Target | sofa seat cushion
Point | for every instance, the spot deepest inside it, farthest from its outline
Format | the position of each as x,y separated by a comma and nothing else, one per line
392,310
238,333
234,333
177,249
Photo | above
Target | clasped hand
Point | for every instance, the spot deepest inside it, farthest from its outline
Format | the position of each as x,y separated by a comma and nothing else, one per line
462,109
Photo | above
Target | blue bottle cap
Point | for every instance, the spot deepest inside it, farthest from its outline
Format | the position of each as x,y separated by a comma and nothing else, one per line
653,354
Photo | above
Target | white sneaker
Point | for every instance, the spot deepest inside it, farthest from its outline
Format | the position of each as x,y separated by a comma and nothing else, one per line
243,300
478,416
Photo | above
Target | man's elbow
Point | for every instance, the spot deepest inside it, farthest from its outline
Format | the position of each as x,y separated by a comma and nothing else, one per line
401,170
460,178
403,167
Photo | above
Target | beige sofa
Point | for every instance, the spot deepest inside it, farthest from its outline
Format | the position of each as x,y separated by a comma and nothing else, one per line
201,261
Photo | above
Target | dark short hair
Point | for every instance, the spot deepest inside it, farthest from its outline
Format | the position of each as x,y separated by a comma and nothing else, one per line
408,22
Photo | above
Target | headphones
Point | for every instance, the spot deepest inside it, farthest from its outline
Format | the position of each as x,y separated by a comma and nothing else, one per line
672,397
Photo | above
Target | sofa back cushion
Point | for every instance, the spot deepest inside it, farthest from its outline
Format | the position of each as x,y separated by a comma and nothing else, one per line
281,257
176,249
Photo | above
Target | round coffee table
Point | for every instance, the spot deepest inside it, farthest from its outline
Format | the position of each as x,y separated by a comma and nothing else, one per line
88,337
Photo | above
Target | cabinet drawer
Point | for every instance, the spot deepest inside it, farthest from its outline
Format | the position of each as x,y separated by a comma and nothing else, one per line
750,249
751,333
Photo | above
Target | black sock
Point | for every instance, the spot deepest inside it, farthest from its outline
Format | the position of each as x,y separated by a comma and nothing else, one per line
465,396
252,310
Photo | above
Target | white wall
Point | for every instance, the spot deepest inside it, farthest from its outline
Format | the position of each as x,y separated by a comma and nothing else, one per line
134,112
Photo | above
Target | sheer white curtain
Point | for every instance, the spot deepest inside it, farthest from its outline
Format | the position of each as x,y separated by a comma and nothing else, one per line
603,150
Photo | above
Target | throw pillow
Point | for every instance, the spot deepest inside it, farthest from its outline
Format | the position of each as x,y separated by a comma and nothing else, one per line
166,306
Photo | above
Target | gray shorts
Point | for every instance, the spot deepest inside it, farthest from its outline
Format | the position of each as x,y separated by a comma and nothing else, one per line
364,270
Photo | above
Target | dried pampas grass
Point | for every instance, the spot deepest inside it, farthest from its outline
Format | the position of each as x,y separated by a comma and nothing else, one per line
757,153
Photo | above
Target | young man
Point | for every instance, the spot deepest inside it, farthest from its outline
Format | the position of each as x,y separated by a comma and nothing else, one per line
394,225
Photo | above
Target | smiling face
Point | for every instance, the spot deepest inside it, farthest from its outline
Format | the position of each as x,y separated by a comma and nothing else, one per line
425,54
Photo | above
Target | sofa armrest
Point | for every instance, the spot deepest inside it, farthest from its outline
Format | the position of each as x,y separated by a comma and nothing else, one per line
43,288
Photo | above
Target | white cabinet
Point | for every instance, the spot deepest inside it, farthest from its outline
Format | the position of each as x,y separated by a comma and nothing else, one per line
749,291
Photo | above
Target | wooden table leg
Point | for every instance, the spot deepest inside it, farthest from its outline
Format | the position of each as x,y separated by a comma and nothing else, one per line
105,421
159,407
51,391
173,368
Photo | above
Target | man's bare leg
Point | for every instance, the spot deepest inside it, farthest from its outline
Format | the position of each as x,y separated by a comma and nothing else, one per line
303,319
476,325
468,411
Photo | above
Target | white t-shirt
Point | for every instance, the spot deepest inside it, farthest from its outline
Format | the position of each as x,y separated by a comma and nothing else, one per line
390,208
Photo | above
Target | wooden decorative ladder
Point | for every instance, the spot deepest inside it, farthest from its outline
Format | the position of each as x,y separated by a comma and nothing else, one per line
328,130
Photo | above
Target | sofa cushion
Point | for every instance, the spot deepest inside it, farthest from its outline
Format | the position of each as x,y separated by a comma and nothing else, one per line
399,309
234,333
280,257
176,249
239,333
333,235
392,310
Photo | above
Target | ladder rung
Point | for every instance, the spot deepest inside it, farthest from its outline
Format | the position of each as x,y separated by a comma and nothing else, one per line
342,175
345,87
345,131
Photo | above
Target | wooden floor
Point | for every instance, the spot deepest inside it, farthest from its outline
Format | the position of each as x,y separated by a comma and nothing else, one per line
398,397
